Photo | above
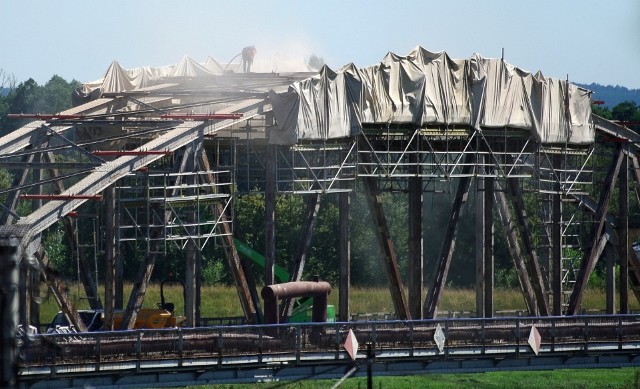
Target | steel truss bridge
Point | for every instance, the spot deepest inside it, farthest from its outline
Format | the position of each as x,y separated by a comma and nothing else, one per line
248,354
163,165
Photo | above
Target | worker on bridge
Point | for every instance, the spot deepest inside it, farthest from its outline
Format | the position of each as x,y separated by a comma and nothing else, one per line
247,58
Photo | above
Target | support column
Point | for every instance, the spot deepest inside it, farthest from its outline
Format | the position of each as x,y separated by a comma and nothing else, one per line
270,214
118,294
590,258
109,256
610,279
480,241
488,247
539,279
448,245
304,242
517,255
416,257
344,247
9,260
240,271
556,241
388,249
191,249
623,230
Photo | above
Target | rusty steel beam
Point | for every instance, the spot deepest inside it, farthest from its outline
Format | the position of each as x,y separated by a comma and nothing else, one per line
590,258
623,230
89,284
58,288
448,245
538,281
344,287
201,116
386,245
270,214
116,153
416,257
248,300
517,255
300,256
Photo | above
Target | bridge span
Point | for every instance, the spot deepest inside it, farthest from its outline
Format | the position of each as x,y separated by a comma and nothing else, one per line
246,354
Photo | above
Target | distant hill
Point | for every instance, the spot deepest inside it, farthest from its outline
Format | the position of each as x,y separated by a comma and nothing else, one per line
612,95
4,91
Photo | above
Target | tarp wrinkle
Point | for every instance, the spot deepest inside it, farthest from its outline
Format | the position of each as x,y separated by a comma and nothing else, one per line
426,88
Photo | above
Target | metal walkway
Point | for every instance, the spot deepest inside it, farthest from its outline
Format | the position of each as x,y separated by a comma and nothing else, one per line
244,354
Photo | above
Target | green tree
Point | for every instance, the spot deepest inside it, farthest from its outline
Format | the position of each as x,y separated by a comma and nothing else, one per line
29,97
627,111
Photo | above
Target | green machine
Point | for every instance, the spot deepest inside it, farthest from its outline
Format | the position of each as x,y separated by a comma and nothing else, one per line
302,309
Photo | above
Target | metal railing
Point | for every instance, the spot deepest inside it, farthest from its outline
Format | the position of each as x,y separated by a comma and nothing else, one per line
225,346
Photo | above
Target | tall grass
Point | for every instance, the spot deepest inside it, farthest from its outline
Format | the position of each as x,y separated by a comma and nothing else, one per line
222,301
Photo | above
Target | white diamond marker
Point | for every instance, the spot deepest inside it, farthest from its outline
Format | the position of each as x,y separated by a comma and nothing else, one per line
534,339
351,345
439,338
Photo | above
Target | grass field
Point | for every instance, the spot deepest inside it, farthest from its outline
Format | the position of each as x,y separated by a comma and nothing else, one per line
222,301
569,379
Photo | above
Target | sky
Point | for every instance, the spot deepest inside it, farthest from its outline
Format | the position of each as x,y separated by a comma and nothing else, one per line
584,40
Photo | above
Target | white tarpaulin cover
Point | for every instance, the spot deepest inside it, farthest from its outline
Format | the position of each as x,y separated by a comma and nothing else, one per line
426,88
118,79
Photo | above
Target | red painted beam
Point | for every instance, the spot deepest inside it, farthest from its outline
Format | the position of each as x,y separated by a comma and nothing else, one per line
201,116
116,153
59,197
598,102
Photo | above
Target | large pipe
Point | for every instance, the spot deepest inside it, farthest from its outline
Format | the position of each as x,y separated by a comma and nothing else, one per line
295,289
318,290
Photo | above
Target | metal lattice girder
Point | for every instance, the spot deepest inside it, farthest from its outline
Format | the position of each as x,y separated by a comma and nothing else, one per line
441,152
315,168
111,171
591,256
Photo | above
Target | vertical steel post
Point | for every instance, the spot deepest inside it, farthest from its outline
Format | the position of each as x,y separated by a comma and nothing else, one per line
344,288
623,230
109,257
9,259
416,257
556,240
270,214
480,241
488,246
